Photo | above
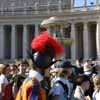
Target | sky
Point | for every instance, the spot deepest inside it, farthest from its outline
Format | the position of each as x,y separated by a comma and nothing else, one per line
80,2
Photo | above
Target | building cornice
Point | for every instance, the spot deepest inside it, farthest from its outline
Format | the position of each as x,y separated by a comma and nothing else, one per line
65,15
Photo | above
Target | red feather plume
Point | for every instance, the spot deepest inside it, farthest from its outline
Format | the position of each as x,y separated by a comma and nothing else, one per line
44,38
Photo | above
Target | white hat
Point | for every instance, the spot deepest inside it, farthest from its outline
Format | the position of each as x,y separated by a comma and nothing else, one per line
53,21
2,66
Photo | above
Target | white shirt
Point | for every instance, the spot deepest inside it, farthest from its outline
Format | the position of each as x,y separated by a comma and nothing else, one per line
96,95
37,75
3,79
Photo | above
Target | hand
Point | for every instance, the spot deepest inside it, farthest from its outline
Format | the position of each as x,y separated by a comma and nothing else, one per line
88,98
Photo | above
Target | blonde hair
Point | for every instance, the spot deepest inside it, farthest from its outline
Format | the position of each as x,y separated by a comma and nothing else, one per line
2,68
96,81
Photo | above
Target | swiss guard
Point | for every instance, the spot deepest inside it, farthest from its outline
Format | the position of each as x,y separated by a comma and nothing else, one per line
44,49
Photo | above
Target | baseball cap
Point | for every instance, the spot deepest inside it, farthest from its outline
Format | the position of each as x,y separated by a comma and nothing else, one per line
65,64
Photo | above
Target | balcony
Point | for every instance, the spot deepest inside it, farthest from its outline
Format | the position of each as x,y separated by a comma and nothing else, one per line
37,9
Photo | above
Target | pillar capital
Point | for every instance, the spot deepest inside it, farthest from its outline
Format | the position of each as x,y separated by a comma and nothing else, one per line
85,26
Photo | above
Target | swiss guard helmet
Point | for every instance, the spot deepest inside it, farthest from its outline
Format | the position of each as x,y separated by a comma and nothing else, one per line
45,48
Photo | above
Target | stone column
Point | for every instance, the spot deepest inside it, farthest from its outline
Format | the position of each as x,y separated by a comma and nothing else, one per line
13,42
1,42
36,30
97,4
85,4
36,7
12,7
25,7
48,7
2,9
73,46
98,39
25,41
72,4
59,6
86,42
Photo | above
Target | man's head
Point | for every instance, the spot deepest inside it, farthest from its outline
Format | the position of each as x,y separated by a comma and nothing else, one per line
65,68
45,48
83,81
96,81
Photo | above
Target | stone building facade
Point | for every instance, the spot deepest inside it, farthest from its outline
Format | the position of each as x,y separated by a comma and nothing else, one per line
20,23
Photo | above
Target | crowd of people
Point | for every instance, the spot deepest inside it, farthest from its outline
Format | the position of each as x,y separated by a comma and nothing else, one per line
46,78
11,78
82,80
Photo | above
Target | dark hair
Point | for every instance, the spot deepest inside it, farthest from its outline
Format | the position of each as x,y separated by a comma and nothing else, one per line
80,59
42,29
82,78
13,65
25,62
7,65
64,64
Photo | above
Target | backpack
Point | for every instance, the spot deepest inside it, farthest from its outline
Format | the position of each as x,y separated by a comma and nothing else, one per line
64,86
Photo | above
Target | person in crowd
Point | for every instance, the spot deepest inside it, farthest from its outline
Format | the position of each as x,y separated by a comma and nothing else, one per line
94,65
83,84
21,74
96,93
53,75
88,69
44,49
8,71
46,81
14,79
22,66
3,81
62,87
79,66
97,69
